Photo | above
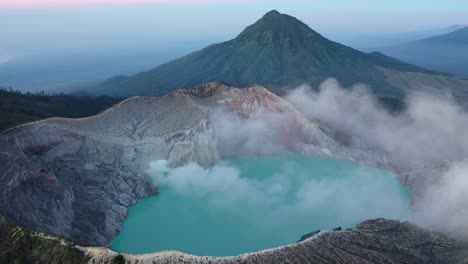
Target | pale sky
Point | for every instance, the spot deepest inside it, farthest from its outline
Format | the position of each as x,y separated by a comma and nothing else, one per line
38,3
216,17
94,24
43,32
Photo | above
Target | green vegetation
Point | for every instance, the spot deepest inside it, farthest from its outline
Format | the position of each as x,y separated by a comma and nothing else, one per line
19,246
18,108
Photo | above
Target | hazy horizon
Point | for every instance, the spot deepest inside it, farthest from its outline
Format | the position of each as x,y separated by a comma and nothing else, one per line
124,37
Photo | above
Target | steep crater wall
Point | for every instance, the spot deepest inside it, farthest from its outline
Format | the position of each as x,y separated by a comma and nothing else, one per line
75,177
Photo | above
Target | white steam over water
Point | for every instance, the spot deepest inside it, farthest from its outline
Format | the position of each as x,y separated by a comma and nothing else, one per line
433,128
249,203
275,189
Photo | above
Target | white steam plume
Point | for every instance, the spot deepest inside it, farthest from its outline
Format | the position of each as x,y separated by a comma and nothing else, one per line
293,194
431,129
443,205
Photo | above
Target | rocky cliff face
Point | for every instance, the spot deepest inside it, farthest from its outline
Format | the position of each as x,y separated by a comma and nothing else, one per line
75,177
374,241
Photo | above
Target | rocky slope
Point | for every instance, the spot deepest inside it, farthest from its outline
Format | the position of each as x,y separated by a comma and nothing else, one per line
18,245
76,177
374,241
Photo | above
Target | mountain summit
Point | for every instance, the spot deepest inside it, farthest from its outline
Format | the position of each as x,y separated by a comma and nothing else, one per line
278,28
277,51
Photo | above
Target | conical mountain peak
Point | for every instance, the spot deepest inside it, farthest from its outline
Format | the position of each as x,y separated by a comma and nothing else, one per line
277,51
275,27
272,13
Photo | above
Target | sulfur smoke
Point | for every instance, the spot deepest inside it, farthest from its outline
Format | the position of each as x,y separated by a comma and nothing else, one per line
296,193
431,130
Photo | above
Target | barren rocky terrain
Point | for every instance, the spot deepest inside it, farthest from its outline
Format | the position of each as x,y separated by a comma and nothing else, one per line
373,241
74,178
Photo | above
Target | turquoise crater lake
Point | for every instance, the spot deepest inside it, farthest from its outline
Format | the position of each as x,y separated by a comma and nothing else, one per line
248,204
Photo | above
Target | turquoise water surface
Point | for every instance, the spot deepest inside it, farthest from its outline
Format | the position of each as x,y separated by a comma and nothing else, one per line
248,204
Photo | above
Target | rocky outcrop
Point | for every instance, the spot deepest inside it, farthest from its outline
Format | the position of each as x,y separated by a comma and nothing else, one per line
374,241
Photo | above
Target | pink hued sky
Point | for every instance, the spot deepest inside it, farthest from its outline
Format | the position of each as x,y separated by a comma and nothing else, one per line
39,3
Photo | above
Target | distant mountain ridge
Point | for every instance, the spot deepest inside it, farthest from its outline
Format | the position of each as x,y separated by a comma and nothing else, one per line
446,53
368,42
278,51
458,37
